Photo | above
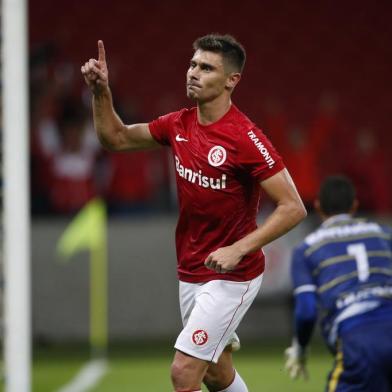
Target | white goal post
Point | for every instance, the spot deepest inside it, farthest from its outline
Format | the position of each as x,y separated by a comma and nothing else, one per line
16,221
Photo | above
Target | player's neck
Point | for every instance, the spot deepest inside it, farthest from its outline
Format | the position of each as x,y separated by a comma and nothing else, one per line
210,112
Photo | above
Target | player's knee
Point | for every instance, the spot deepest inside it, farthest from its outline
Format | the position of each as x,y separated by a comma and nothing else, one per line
212,382
216,379
180,371
187,372
176,371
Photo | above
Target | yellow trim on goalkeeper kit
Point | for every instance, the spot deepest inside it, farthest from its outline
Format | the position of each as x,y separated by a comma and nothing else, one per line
338,370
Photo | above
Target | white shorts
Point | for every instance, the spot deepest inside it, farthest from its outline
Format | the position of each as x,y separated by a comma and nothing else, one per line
211,312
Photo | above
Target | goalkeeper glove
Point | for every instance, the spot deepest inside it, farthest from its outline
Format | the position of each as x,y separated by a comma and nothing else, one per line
296,361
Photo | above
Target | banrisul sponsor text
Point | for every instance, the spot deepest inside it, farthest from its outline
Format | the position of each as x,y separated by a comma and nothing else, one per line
199,178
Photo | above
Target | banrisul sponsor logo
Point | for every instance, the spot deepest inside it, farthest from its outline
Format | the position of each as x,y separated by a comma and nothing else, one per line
199,178
263,150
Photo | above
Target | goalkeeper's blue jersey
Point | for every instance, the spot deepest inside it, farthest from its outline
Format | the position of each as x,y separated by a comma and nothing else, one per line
348,263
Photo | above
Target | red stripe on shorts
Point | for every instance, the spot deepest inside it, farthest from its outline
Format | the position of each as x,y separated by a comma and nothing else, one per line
224,333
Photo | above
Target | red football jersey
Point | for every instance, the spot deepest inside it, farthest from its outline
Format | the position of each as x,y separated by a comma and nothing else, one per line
218,171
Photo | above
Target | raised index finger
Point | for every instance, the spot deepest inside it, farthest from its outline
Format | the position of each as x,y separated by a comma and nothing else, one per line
101,51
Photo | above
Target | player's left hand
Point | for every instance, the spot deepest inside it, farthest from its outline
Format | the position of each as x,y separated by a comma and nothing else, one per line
224,259
296,361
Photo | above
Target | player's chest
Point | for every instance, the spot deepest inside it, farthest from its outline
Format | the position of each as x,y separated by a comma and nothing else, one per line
212,152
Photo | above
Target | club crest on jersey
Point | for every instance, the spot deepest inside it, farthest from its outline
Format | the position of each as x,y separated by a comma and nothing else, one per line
199,337
217,156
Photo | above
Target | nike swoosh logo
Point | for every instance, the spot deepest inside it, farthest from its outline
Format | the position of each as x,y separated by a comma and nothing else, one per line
180,139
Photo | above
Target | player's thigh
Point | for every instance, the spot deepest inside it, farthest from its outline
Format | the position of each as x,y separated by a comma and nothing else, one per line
219,307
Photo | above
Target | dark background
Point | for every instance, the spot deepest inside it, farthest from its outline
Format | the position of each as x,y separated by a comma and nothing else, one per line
313,68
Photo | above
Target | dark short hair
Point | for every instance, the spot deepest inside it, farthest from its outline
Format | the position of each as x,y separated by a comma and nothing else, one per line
337,195
232,51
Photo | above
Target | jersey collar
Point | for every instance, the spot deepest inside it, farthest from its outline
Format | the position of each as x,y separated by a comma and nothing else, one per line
335,219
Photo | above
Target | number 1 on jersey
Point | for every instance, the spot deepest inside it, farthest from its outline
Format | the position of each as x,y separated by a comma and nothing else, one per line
361,258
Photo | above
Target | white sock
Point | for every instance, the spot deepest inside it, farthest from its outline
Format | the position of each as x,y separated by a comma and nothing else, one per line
238,385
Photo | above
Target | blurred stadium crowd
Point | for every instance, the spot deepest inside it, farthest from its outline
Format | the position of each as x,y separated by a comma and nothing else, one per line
315,81
68,165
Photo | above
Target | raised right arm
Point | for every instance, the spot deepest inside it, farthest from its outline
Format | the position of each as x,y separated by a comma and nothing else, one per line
111,131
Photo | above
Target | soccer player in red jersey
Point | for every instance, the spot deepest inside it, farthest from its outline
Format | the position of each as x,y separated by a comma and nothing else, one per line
223,162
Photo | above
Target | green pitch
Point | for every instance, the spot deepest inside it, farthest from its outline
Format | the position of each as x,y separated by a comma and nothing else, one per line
147,369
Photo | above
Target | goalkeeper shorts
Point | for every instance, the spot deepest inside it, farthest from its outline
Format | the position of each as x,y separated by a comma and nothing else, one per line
363,361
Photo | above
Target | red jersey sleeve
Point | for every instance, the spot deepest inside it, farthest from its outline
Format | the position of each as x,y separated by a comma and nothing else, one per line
258,156
162,128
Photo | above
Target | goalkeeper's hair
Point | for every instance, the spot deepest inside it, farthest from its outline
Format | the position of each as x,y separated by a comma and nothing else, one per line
233,53
337,195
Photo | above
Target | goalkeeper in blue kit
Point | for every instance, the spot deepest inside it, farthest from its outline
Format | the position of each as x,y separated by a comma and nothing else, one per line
342,273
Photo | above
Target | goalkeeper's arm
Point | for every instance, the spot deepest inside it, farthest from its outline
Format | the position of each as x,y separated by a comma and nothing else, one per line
305,319
305,315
